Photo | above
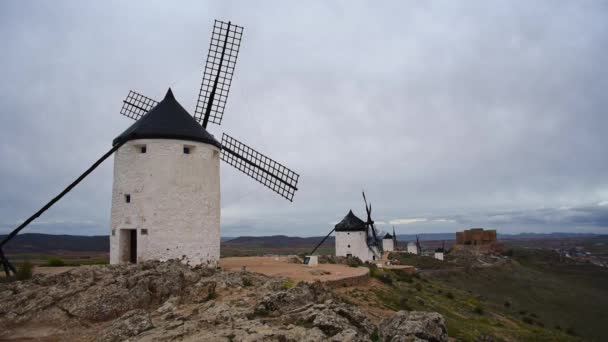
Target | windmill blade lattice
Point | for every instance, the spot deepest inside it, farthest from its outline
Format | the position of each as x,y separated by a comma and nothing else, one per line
219,69
272,174
136,105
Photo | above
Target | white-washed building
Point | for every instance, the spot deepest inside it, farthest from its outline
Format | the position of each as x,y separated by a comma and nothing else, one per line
352,239
166,190
388,243
412,248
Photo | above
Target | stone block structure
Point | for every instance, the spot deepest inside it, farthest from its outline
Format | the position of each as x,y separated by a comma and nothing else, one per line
476,236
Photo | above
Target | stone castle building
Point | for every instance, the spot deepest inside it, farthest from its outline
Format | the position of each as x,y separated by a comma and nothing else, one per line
476,236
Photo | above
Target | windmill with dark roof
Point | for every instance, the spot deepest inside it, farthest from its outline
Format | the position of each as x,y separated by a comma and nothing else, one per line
166,191
356,238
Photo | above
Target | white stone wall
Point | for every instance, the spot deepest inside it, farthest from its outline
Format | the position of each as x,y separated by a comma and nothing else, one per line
411,248
174,196
353,243
438,255
388,245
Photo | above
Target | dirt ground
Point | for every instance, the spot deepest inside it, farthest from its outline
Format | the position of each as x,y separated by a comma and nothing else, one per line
279,266
271,265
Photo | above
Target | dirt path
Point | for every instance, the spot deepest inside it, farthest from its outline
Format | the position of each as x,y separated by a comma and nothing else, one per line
279,266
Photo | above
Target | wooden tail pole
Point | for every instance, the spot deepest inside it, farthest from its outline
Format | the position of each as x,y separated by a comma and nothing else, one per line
6,264
320,243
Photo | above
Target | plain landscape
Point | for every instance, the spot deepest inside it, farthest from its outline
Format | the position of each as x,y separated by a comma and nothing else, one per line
532,291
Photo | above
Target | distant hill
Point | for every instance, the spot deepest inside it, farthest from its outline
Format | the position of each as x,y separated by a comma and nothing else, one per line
44,243
277,240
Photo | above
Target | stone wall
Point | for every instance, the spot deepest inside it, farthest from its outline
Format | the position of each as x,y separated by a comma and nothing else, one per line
347,282
174,201
476,236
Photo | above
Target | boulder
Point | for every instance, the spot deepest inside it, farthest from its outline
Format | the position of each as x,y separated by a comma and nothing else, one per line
413,326
128,325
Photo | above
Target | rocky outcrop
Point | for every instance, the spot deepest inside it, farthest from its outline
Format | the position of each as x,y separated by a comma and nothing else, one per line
156,301
128,325
413,326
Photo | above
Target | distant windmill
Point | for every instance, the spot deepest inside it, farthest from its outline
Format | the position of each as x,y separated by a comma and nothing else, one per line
166,196
355,237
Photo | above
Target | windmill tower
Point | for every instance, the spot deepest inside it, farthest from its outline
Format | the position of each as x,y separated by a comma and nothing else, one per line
388,241
358,238
166,192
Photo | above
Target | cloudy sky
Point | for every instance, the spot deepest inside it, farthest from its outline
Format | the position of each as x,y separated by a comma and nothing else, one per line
449,114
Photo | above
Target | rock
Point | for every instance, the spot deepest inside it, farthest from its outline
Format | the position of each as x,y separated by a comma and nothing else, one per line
413,326
166,301
128,325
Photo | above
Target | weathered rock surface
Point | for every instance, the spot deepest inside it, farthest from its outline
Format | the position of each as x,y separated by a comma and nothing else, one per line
168,301
413,326
128,325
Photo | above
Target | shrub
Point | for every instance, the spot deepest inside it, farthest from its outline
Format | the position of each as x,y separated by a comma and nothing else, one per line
418,286
354,262
55,262
528,320
247,282
374,336
401,275
24,271
403,305
212,294
570,331
385,278
507,304
478,310
288,284
450,295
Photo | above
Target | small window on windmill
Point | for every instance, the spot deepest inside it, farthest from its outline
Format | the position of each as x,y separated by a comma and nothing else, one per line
128,198
144,232
348,246
113,232
188,149
141,148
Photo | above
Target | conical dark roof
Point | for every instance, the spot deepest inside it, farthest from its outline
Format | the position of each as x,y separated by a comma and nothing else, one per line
388,236
351,223
167,120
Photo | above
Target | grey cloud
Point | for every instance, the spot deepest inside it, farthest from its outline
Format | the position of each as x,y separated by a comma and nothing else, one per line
479,112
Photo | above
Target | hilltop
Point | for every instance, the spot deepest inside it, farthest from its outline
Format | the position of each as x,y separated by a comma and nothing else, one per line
155,301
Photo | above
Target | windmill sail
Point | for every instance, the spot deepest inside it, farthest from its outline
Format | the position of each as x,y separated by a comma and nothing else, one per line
219,68
136,105
273,175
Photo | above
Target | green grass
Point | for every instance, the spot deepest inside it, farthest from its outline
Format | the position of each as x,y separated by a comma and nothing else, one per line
541,291
536,297
288,284
467,316
55,262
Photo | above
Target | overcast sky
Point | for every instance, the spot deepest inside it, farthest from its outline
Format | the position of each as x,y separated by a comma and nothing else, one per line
449,114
